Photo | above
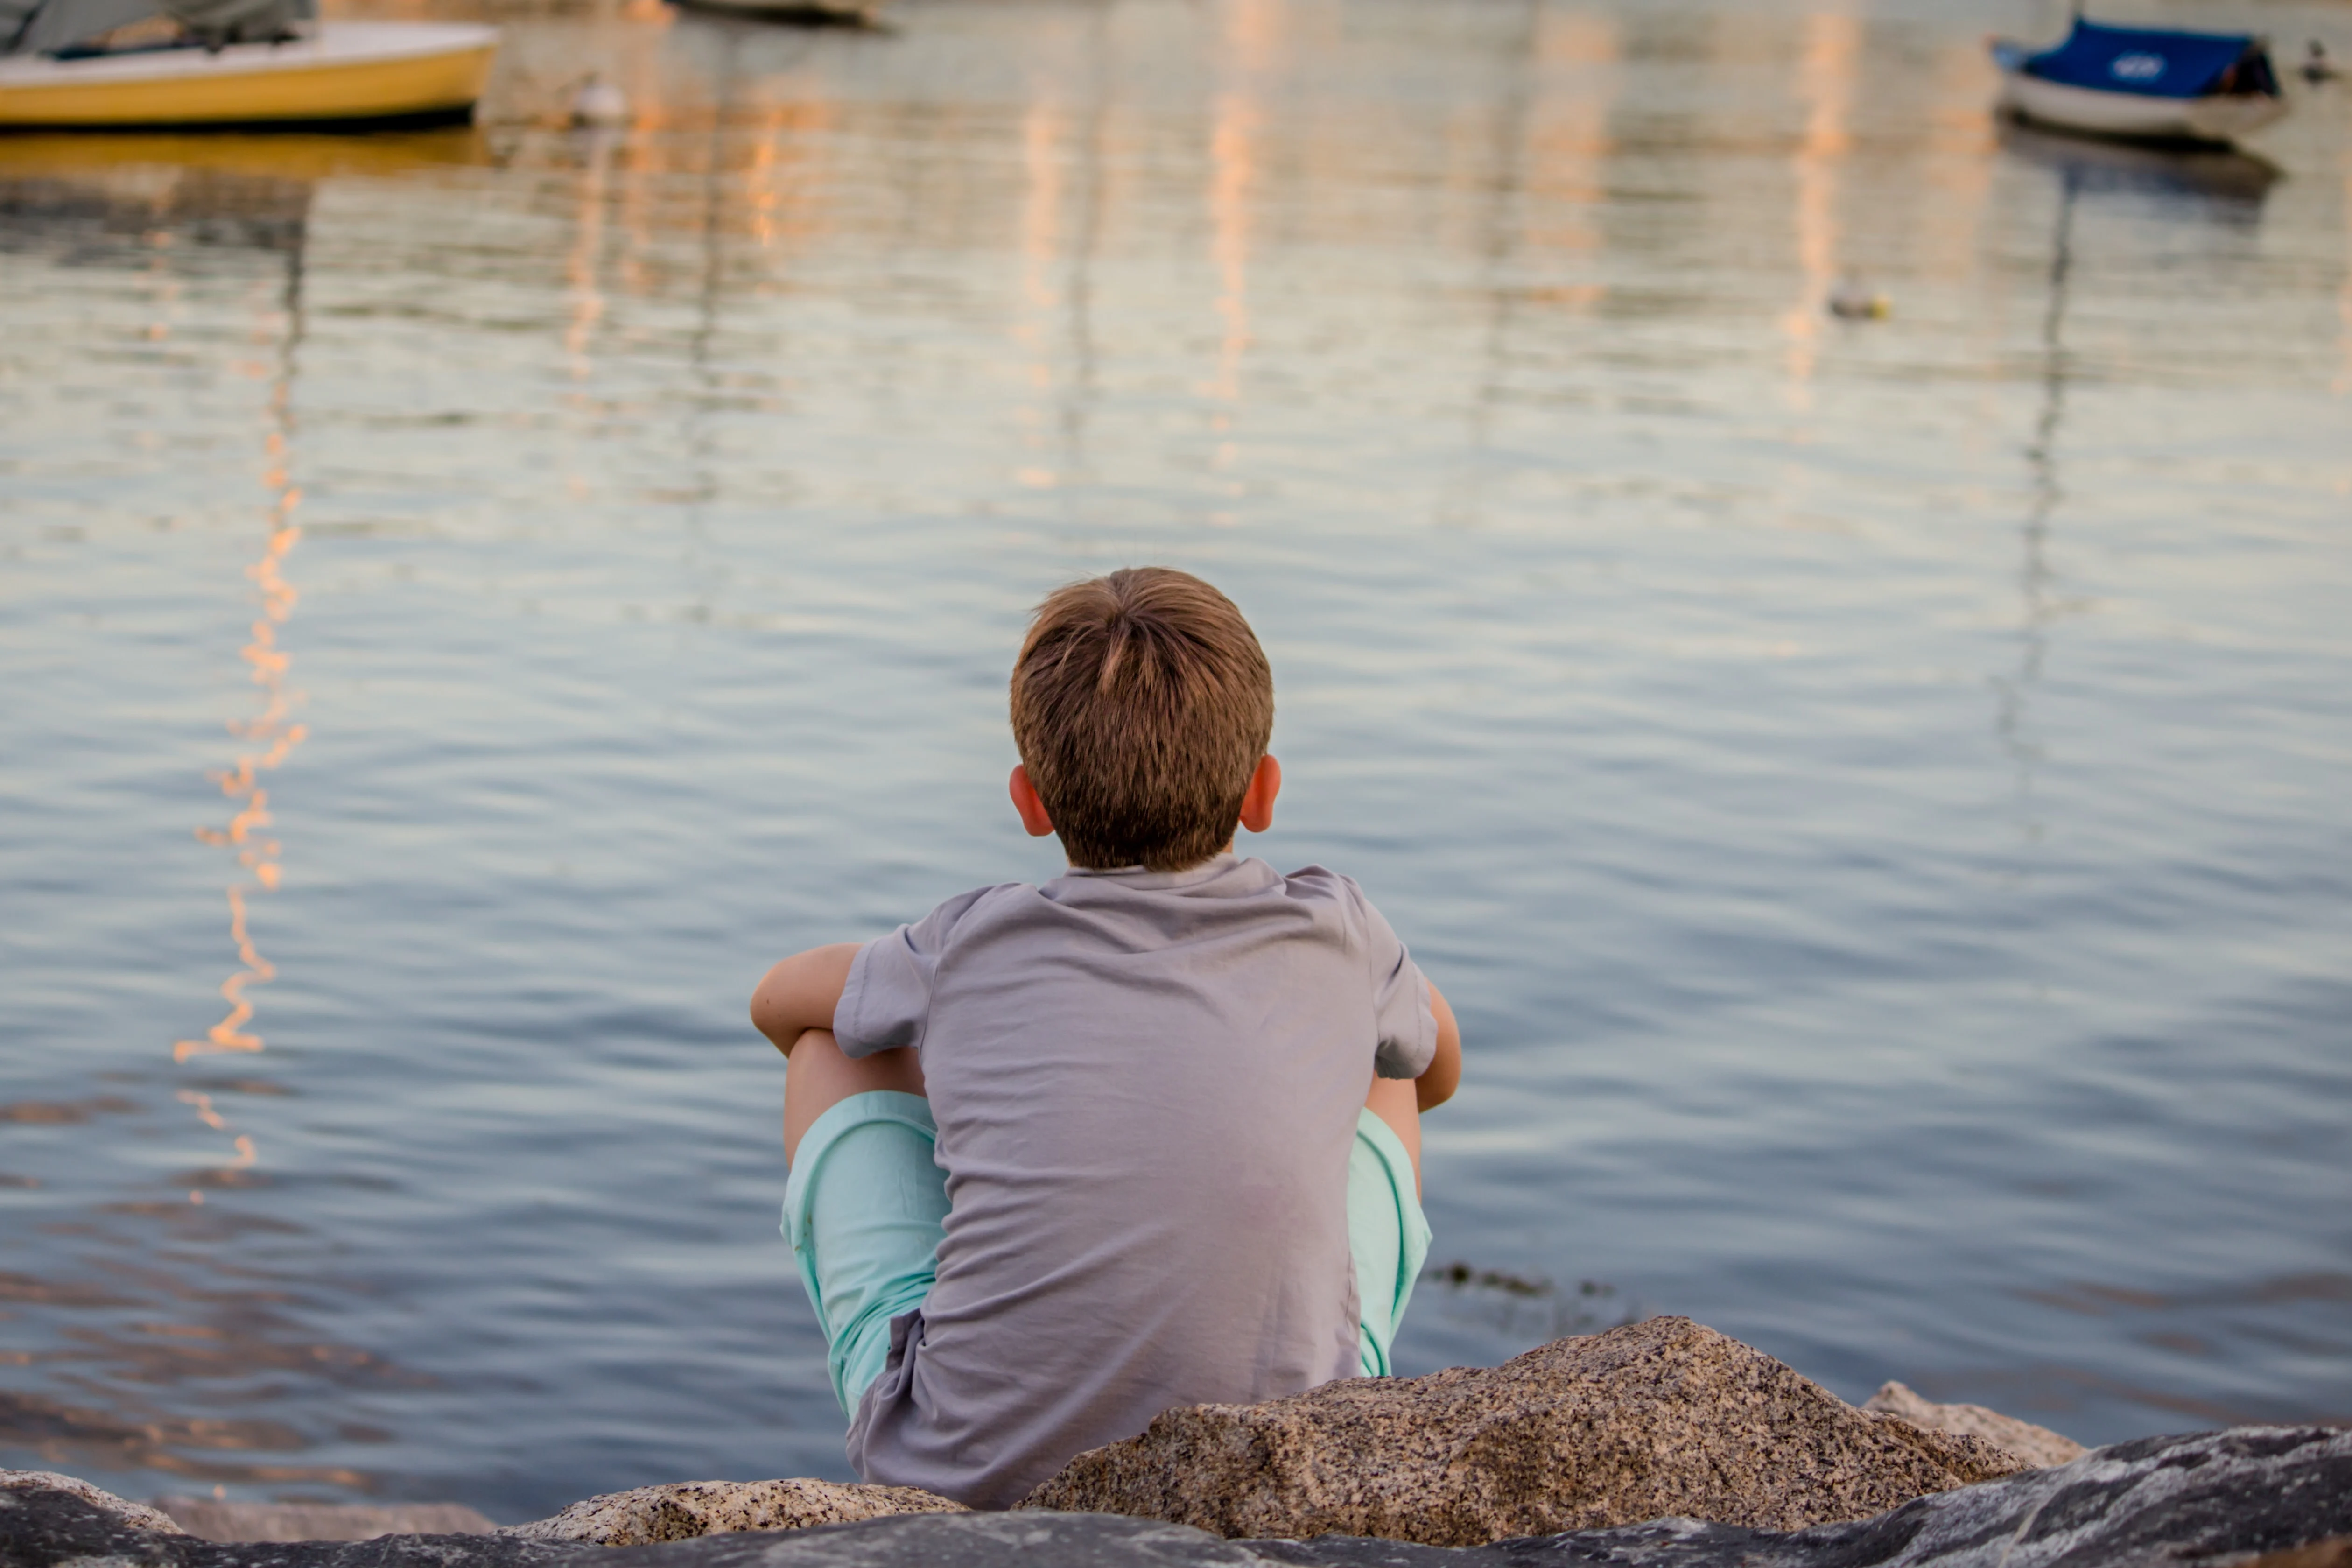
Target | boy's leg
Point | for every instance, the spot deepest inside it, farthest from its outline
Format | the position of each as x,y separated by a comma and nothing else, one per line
818,1077
865,1204
863,1209
1386,1229
1396,1101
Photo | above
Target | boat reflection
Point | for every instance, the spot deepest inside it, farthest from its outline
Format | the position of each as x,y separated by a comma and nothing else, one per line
2233,181
2219,183
292,157
124,198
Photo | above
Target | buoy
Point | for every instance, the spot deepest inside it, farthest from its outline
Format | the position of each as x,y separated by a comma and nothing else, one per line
599,103
1850,302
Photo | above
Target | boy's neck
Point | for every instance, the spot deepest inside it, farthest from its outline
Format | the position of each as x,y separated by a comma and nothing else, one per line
1072,866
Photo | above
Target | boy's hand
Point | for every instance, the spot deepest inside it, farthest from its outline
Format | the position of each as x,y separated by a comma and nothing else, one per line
801,993
1435,1086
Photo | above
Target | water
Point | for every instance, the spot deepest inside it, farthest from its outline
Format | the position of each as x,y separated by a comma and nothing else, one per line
1873,791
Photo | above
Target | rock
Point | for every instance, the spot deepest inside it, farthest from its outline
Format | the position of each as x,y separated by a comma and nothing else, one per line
2036,1446
214,1521
74,1525
133,1515
684,1509
2249,1497
2212,1498
1032,1540
1658,1418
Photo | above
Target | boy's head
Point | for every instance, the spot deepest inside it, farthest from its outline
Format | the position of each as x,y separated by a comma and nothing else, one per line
1142,706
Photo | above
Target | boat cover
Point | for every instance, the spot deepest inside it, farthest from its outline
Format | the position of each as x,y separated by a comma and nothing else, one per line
218,22
45,26
2148,62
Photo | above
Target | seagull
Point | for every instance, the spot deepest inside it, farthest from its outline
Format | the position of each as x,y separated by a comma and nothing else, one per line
599,103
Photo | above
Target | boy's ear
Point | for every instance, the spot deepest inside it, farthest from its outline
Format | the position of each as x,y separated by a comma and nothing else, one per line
1258,805
1030,804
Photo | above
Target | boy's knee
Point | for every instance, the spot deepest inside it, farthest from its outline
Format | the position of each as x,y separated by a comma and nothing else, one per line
818,1076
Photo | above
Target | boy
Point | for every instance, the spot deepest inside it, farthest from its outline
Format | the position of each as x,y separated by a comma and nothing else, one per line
1170,1173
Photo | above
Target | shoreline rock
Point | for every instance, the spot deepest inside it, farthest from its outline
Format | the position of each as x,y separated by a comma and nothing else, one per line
134,1515
684,1510
1660,1418
2037,1446
1657,1445
209,1518
2245,1498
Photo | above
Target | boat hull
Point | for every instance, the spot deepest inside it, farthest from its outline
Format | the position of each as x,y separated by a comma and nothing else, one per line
2214,121
859,14
349,73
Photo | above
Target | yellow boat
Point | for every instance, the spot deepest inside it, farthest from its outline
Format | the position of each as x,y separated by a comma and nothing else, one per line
335,72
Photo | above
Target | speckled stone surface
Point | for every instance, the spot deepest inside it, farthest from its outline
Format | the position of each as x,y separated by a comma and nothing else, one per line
215,1520
43,1527
684,1509
2248,1497
2037,1446
2210,1499
1658,1418
138,1516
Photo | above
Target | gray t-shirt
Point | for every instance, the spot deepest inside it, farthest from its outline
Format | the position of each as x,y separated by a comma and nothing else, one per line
1146,1085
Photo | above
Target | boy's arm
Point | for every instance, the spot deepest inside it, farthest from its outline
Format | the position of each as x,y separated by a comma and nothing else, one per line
1435,1086
801,993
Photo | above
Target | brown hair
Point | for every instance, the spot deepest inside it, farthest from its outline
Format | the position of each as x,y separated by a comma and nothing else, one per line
1141,704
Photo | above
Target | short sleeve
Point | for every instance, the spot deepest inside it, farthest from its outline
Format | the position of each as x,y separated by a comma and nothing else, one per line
886,999
1400,1011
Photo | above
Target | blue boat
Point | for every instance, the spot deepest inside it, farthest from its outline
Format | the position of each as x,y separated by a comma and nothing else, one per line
2143,84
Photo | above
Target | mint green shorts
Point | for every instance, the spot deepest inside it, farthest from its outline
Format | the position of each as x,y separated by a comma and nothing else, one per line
864,1208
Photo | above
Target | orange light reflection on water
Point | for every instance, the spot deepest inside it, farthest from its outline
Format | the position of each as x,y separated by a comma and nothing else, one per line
1825,82
1232,161
1568,148
271,737
1040,253
2343,301
580,267
1252,40
242,782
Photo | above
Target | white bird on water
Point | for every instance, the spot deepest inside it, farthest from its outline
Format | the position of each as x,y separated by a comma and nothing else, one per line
599,103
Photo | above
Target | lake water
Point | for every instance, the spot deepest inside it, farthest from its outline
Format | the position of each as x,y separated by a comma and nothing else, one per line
1876,792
